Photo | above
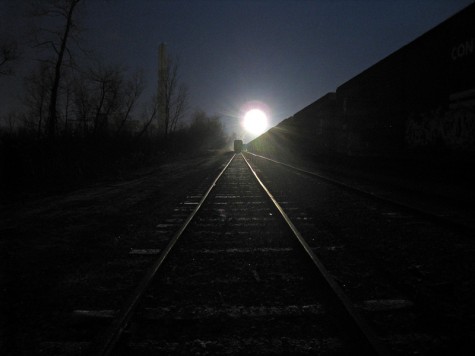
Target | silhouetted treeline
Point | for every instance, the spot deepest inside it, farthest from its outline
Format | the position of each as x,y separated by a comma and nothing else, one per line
32,165
83,118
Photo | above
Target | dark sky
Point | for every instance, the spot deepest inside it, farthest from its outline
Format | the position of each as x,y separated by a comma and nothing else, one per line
284,54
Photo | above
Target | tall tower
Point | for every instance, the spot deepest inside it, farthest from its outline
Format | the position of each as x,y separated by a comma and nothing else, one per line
162,84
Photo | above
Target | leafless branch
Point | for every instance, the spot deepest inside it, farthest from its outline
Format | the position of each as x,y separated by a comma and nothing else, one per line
172,98
8,54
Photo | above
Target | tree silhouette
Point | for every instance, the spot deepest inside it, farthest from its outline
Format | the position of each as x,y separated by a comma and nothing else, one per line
59,45
8,53
172,98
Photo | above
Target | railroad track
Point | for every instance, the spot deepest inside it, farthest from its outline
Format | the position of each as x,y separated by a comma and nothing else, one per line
452,217
238,278
387,255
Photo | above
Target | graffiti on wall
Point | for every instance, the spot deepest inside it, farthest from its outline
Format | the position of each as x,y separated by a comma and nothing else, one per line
453,129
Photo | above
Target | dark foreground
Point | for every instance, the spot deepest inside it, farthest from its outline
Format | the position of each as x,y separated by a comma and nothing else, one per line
56,251
65,253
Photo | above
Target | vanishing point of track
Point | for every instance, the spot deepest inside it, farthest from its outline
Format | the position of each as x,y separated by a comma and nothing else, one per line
239,272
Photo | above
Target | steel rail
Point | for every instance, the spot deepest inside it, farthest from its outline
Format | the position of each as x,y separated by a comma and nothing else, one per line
441,219
109,341
364,333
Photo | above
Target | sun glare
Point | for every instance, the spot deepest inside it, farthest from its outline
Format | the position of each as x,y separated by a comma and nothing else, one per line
255,121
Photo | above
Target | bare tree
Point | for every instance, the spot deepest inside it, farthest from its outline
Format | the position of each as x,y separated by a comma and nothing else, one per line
64,10
106,90
172,98
179,106
8,54
132,91
67,93
10,122
37,97
82,101
207,131
149,116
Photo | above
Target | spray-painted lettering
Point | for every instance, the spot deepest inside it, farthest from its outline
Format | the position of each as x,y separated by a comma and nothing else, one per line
454,129
463,49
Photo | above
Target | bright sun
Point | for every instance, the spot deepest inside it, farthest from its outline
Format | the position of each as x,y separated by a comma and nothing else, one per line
255,121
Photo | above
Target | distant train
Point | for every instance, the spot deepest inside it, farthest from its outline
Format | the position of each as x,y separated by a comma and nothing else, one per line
238,146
